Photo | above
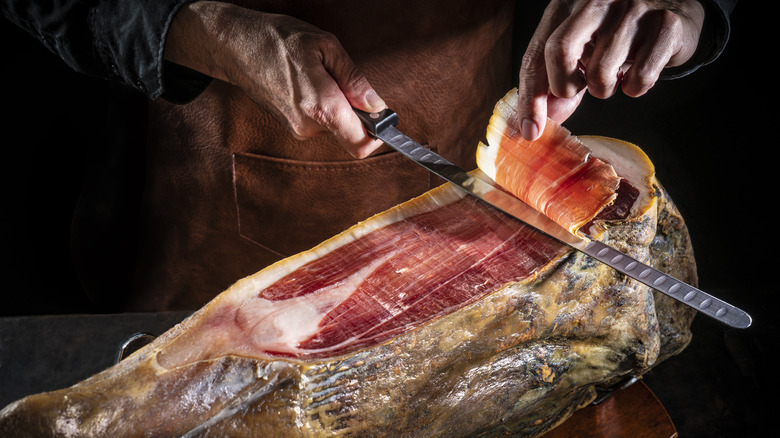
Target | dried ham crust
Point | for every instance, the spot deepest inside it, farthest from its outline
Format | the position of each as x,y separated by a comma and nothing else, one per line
439,317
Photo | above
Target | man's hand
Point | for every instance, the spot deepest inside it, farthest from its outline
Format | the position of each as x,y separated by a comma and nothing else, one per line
296,71
598,46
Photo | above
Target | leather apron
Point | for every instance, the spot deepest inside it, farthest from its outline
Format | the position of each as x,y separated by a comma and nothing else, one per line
230,191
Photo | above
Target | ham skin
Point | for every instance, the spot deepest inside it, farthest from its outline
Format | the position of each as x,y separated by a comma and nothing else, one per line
439,317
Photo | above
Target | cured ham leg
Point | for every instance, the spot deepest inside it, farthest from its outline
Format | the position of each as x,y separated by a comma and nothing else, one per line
390,275
439,317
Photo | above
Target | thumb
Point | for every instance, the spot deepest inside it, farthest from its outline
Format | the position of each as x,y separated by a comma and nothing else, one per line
359,92
352,82
560,108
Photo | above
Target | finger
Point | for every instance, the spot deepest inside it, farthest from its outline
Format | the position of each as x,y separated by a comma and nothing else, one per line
336,117
642,75
533,86
350,133
559,109
364,149
566,47
612,49
532,93
661,32
356,88
329,110
340,119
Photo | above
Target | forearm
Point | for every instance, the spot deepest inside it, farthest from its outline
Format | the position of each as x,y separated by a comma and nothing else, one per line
194,35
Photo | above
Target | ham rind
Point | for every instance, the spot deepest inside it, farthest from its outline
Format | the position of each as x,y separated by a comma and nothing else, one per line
556,174
440,317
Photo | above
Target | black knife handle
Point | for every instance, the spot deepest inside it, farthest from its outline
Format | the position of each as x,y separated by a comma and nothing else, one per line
376,122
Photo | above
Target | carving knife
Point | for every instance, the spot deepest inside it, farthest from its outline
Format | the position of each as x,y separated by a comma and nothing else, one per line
382,125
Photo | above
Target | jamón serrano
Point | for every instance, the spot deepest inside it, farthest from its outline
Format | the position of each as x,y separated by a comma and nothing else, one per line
439,317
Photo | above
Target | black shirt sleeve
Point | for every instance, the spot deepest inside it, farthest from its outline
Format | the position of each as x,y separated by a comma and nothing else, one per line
117,40
713,39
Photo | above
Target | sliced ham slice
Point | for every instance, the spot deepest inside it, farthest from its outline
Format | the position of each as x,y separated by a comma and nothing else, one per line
556,174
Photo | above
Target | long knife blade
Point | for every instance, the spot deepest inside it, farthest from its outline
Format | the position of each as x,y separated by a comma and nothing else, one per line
382,125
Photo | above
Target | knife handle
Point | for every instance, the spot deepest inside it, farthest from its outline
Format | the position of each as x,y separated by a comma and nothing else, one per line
376,122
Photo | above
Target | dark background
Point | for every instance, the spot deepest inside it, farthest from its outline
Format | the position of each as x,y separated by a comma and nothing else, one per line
712,137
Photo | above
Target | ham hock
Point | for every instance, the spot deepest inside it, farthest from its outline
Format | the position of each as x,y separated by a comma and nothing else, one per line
439,317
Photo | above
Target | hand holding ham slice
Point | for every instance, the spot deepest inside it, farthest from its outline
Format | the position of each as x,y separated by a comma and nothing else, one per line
568,179
600,46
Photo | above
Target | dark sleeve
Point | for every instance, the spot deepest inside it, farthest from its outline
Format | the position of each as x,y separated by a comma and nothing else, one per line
713,39
117,40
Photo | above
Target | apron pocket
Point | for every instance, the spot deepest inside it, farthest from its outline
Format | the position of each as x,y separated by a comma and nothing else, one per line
288,206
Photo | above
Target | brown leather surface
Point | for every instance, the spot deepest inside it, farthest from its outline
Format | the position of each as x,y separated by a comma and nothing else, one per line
631,412
332,193
230,191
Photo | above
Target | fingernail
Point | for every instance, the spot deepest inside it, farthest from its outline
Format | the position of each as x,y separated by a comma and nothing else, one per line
374,100
529,130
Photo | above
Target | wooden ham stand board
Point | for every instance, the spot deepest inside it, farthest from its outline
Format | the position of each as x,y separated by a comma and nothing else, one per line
633,412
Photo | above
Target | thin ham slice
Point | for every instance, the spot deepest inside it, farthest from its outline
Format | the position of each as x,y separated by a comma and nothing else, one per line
556,174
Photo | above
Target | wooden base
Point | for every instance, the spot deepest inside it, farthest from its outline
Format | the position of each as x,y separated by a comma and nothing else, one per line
632,412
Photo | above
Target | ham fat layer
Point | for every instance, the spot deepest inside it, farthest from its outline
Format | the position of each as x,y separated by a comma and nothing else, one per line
380,279
556,174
